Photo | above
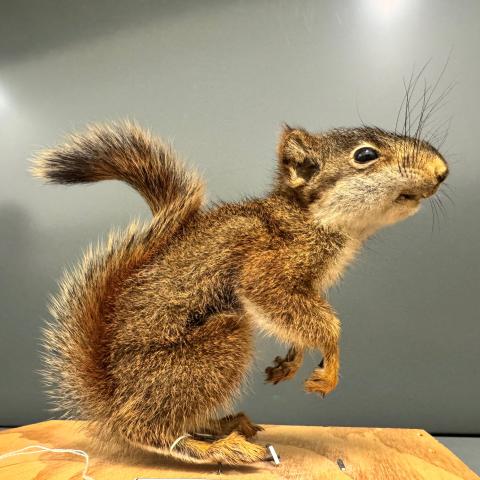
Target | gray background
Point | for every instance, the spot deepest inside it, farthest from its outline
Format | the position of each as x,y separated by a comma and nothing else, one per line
218,78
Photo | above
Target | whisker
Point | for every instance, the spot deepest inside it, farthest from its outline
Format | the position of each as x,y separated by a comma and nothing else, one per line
447,196
433,215
437,214
441,207
407,109
416,141
448,186
429,109
409,90
435,137
358,112
398,115
439,102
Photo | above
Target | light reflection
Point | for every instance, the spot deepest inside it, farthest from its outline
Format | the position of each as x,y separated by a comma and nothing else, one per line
4,103
386,10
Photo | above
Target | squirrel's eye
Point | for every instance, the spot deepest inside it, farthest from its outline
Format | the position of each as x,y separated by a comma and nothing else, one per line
365,155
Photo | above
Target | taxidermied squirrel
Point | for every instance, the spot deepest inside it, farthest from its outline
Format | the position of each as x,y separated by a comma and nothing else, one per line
152,332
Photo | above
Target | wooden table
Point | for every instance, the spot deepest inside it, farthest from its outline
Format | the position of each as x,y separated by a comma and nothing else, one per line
306,453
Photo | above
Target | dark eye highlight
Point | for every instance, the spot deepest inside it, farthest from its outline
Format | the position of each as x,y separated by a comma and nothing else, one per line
365,155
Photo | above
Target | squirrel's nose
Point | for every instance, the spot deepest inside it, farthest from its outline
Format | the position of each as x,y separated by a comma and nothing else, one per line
441,176
440,170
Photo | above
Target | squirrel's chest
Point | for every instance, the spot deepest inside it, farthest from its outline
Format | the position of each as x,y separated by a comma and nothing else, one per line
334,266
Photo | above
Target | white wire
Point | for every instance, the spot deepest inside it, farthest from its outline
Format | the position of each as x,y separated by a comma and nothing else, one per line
174,444
40,448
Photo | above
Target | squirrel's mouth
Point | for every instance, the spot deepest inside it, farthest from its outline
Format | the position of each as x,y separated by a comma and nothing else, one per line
407,197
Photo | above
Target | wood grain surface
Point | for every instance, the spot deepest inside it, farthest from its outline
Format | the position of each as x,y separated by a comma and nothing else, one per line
306,453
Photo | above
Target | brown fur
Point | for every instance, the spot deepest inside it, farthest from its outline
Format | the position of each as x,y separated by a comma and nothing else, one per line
152,333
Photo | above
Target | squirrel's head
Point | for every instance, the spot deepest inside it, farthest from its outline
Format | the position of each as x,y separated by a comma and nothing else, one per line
360,179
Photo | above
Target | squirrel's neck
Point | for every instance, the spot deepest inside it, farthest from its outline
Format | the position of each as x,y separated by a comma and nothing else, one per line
335,247
300,216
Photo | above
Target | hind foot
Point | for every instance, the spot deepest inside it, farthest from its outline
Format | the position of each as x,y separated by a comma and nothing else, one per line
234,423
231,450
239,423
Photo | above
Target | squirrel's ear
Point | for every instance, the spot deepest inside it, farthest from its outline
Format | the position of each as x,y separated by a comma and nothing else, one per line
298,156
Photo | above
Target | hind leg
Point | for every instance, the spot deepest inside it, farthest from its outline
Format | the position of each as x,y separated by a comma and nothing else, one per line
167,392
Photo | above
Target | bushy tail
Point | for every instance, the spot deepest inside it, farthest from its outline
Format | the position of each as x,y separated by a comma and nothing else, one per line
122,151
76,344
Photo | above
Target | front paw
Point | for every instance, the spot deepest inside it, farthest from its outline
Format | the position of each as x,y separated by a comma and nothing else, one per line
282,370
321,381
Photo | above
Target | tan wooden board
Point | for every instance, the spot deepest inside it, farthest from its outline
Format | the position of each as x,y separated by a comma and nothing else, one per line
306,453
